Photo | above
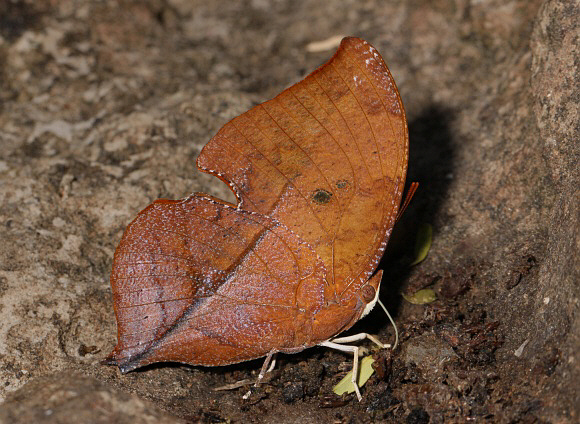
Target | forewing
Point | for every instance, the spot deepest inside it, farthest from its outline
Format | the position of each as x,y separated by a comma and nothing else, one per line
327,158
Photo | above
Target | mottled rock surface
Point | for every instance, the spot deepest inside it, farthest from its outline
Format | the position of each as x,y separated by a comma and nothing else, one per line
58,398
104,107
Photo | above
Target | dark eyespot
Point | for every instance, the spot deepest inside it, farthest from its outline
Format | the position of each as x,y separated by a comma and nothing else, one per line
321,196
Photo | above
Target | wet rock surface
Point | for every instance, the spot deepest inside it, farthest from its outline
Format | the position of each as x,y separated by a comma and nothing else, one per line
104,108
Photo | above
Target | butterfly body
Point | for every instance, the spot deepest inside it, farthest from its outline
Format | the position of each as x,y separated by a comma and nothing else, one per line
318,172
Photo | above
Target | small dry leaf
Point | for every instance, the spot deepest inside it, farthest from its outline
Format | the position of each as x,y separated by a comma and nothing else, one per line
422,243
365,372
421,297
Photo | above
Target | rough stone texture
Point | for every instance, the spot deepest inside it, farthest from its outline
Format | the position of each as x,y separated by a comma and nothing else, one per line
52,398
105,105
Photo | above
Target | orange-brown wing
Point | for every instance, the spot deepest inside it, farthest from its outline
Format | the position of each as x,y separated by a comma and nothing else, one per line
201,282
327,158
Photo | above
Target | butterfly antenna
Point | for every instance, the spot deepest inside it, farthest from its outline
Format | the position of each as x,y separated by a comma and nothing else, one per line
392,322
412,189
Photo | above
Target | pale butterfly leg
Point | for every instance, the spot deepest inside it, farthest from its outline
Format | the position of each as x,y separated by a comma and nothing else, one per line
336,343
268,366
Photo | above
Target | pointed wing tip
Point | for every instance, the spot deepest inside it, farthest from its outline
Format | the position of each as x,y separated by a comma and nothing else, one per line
124,364
352,41
355,43
366,53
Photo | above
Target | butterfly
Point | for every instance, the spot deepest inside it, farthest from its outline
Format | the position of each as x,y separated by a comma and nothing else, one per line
318,173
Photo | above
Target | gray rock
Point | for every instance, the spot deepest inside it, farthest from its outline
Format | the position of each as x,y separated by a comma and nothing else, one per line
59,398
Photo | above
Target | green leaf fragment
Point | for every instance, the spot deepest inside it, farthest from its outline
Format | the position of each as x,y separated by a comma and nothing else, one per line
365,370
421,297
423,243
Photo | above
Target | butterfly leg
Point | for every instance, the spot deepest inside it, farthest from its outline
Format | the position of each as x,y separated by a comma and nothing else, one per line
268,366
355,351
361,336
